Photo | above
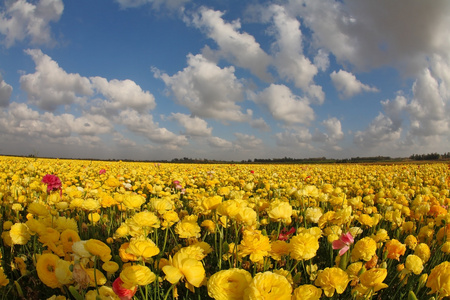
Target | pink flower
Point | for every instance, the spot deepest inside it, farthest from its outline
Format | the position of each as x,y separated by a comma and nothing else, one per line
53,183
284,234
102,171
343,243
123,293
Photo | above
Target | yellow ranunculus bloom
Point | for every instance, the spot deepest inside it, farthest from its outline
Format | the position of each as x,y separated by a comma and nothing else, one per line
45,267
439,280
423,251
20,234
255,244
373,279
182,266
303,246
268,285
98,248
137,275
99,276
229,284
280,212
332,280
3,279
142,247
414,264
307,292
364,249
188,227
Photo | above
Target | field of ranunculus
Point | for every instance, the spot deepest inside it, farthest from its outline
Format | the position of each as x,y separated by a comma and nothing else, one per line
74,229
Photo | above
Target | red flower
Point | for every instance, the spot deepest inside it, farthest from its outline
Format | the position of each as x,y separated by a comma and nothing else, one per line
53,183
284,234
102,171
123,293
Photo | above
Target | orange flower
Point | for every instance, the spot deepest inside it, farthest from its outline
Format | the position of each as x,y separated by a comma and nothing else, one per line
45,267
395,249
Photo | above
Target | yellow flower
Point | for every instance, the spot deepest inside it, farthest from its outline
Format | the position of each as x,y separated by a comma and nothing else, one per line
279,248
104,293
110,266
45,267
133,201
366,220
307,292
182,266
331,280
38,209
414,264
209,225
169,218
142,247
411,241
280,212
98,248
268,285
146,219
247,216
373,279
137,275
255,244
122,231
90,204
188,228
423,251
304,246
364,249
229,284
99,276
439,280
62,272
395,249
211,203
313,214
446,247
67,238
3,279
20,235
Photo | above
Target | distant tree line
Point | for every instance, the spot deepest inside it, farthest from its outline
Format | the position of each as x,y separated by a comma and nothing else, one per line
430,156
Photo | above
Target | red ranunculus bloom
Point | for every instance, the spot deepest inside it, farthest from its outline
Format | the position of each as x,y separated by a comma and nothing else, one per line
123,293
53,183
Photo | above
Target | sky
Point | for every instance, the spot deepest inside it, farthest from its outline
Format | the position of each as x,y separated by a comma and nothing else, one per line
224,80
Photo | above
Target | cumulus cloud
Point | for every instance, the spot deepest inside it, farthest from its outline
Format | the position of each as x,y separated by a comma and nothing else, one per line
289,60
297,137
372,34
194,126
23,20
123,93
284,105
50,86
5,92
143,125
207,90
217,142
347,85
247,141
239,48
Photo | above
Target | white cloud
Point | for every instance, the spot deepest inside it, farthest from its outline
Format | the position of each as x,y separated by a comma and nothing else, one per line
260,124
207,90
50,86
321,60
24,20
218,142
194,126
239,48
370,34
123,93
381,131
5,92
289,60
347,85
284,105
247,141
143,125
334,129
297,137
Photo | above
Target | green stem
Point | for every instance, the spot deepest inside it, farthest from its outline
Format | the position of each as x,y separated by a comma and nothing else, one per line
168,291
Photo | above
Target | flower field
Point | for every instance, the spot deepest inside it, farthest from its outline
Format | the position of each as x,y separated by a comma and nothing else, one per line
74,229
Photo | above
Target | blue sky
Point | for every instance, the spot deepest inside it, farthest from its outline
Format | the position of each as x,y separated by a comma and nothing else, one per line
231,80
